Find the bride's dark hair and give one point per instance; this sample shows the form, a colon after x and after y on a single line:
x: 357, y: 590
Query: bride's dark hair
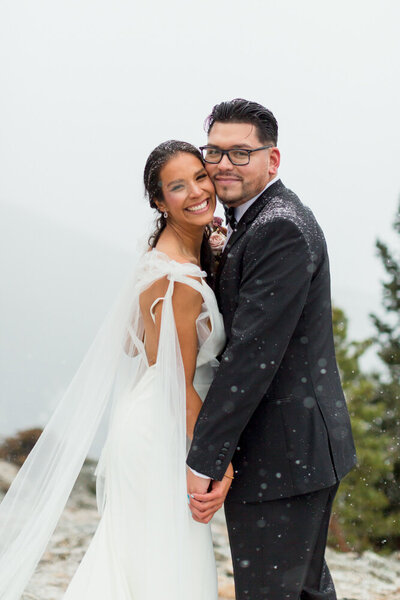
x: 157, y: 159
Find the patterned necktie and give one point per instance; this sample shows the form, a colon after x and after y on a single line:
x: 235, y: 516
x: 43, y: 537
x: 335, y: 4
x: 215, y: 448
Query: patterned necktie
x: 230, y: 217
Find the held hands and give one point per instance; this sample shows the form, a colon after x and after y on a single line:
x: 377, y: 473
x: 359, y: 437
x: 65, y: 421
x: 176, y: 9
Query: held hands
x: 195, y: 484
x: 205, y: 504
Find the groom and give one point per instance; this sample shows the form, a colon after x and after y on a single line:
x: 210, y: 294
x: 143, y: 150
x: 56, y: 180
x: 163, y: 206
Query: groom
x: 275, y: 408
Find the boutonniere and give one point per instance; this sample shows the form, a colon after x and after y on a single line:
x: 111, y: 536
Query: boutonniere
x: 217, y: 238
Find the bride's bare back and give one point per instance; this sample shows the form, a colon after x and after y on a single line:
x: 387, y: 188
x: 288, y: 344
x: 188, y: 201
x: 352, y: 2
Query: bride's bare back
x: 187, y: 303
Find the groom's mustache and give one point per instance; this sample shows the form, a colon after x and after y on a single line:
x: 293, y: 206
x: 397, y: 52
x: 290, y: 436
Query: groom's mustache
x: 226, y: 176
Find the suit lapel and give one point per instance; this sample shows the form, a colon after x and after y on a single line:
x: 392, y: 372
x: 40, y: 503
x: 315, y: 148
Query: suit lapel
x: 246, y: 220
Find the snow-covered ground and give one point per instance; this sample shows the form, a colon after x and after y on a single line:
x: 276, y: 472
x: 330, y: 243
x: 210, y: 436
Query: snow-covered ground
x: 365, y: 577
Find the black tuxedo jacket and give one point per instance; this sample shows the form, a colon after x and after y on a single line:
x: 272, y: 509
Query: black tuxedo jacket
x: 276, y: 407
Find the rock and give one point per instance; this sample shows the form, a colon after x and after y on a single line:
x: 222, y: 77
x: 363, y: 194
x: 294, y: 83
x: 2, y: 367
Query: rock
x: 226, y: 588
x: 8, y: 472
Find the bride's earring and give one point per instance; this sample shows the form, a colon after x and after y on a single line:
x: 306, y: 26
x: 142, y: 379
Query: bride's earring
x: 165, y: 214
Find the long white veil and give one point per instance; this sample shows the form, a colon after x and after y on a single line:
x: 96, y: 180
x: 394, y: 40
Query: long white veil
x: 32, y: 507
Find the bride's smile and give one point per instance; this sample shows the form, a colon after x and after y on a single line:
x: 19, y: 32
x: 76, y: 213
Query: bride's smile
x: 199, y: 208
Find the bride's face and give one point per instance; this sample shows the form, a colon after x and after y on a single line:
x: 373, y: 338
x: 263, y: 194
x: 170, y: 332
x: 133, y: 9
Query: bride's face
x: 189, y: 194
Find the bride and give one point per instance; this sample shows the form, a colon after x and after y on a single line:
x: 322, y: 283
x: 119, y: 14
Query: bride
x: 152, y: 362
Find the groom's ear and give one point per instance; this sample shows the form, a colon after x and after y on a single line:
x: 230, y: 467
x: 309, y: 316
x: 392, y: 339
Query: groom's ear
x: 274, y: 161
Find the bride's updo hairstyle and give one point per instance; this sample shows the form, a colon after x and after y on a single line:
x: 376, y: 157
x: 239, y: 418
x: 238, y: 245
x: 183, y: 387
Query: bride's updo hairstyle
x: 153, y: 189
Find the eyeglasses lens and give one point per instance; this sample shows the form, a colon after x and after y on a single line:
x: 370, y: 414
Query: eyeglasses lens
x: 214, y: 156
x: 239, y: 157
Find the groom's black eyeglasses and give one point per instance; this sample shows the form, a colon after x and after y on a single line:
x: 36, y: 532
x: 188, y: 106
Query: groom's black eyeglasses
x: 237, y: 156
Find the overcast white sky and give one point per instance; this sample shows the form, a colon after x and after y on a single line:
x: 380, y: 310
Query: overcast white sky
x: 89, y: 87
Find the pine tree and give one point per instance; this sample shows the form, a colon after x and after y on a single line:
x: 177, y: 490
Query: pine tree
x: 388, y: 342
x: 360, y: 510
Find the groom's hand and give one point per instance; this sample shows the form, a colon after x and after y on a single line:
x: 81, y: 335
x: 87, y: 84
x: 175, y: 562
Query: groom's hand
x: 204, y: 506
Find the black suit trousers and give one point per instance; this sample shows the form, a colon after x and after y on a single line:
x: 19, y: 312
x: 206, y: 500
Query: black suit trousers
x: 278, y: 547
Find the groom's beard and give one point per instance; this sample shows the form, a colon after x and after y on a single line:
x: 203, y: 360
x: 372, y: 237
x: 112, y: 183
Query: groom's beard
x: 236, y: 190
x: 229, y: 187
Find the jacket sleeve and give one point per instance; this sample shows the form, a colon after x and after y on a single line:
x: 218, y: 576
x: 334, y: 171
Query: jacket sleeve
x: 277, y: 271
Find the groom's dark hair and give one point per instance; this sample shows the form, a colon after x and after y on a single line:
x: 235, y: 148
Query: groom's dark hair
x: 245, y: 111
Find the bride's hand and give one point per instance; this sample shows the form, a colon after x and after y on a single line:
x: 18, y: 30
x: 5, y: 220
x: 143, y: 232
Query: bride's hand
x: 196, y: 484
x: 204, y: 506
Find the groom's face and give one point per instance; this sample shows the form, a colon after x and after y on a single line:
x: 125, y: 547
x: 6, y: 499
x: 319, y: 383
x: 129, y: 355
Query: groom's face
x: 238, y: 184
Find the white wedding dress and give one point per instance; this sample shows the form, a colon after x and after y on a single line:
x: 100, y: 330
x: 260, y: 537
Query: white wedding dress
x: 147, y: 546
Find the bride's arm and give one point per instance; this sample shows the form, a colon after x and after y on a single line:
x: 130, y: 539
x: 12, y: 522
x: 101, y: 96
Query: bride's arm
x: 186, y: 303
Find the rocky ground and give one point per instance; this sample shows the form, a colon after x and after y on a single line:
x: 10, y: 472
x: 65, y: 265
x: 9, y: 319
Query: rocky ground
x: 365, y: 577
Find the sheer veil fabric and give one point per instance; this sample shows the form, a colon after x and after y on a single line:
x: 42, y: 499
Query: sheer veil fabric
x: 147, y: 546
